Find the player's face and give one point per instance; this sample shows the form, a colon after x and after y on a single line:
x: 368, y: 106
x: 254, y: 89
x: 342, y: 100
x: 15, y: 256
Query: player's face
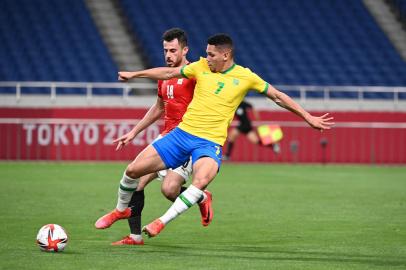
x: 174, y: 53
x: 216, y: 58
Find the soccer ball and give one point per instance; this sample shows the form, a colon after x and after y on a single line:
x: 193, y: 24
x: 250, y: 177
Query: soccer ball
x: 52, y: 238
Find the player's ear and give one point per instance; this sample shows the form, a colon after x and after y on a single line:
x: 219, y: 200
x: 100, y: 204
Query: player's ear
x: 226, y: 56
x: 185, y: 50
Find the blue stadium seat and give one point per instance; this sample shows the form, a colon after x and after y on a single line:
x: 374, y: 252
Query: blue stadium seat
x: 312, y: 42
x: 44, y: 40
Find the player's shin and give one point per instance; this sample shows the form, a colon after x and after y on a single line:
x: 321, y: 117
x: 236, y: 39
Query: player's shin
x: 126, y: 189
x: 137, y: 205
x: 184, y: 201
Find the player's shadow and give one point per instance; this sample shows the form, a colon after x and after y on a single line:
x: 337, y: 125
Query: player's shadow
x: 271, y: 254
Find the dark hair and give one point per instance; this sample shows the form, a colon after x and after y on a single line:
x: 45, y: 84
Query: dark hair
x: 175, y: 33
x: 221, y: 39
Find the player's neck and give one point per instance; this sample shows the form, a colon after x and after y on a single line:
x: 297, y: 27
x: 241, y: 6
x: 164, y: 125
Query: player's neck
x: 227, y: 66
x: 184, y: 62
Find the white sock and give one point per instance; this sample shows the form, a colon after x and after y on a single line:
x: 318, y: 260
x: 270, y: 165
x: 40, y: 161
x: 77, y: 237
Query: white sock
x: 126, y: 189
x: 182, y: 203
x: 136, y: 237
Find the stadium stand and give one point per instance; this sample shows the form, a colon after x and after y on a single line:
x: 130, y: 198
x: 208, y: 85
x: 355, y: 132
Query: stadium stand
x: 44, y: 40
x: 400, y: 5
x: 288, y: 42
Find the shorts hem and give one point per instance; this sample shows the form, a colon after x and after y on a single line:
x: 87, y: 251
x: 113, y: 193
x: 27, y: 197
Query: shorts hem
x: 161, y: 155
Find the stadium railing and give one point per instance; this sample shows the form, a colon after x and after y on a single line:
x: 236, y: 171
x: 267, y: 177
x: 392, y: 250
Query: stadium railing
x: 300, y: 92
x: 17, y: 88
x: 63, y: 136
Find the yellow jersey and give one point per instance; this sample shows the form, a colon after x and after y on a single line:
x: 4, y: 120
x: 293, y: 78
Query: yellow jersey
x: 216, y: 98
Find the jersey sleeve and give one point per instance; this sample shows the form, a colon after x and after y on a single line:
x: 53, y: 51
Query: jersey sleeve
x: 160, y: 88
x: 191, y: 70
x: 258, y: 84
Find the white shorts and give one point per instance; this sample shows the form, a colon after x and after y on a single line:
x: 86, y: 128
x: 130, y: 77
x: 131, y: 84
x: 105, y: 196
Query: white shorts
x: 185, y: 170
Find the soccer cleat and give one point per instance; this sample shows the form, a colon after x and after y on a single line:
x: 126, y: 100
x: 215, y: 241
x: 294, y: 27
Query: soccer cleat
x: 206, y: 209
x: 128, y: 241
x: 108, y: 219
x: 154, y: 228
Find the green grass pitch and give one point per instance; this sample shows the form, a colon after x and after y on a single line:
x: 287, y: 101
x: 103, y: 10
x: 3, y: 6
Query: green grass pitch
x: 266, y: 217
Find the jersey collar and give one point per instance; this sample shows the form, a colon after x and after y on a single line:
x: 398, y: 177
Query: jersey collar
x: 229, y: 69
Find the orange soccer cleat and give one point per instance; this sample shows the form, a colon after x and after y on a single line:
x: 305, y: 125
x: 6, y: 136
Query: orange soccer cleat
x: 206, y: 209
x: 154, y: 228
x: 128, y: 241
x: 108, y: 219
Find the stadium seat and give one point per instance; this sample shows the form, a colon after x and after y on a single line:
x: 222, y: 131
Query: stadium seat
x: 288, y: 42
x: 44, y: 40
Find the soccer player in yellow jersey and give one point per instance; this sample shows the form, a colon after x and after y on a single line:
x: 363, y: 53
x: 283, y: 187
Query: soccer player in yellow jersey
x: 221, y: 85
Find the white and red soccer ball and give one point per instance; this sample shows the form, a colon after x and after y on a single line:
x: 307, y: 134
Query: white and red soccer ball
x: 52, y: 238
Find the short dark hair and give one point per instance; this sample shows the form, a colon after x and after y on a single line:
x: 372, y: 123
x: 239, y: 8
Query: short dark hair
x: 222, y: 41
x: 175, y: 33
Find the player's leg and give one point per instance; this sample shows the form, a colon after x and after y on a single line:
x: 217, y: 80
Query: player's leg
x: 146, y: 162
x: 232, y: 136
x: 172, y: 185
x: 205, y: 205
x: 253, y: 137
x: 205, y: 169
x: 207, y: 163
x: 137, y: 205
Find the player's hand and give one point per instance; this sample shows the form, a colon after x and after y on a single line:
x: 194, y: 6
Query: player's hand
x: 321, y: 122
x: 124, y: 140
x: 124, y: 76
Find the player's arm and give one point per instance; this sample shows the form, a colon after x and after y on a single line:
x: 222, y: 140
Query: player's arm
x: 153, y: 114
x: 283, y: 100
x: 159, y: 73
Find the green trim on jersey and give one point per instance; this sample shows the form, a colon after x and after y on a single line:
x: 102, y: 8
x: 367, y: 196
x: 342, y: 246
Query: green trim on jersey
x: 229, y: 69
x: 127, y: 188
x: 266, y: 88
x: 185, y: 201
x: 183, y: 73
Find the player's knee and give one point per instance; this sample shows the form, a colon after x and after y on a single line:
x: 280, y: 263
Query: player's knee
x: 201, y: 182
x: 171, y: 192
x: 132, y: 171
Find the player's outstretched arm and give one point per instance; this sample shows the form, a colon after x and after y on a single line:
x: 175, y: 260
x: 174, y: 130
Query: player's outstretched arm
x: 159, y: 73
x: 318, y: 122
x: 153, y: 114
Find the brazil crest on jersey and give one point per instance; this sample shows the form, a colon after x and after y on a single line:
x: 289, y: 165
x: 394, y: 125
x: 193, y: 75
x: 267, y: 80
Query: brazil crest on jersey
x: 216, y: 97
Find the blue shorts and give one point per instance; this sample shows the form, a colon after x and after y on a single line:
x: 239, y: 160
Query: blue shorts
x: 176, y: 147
